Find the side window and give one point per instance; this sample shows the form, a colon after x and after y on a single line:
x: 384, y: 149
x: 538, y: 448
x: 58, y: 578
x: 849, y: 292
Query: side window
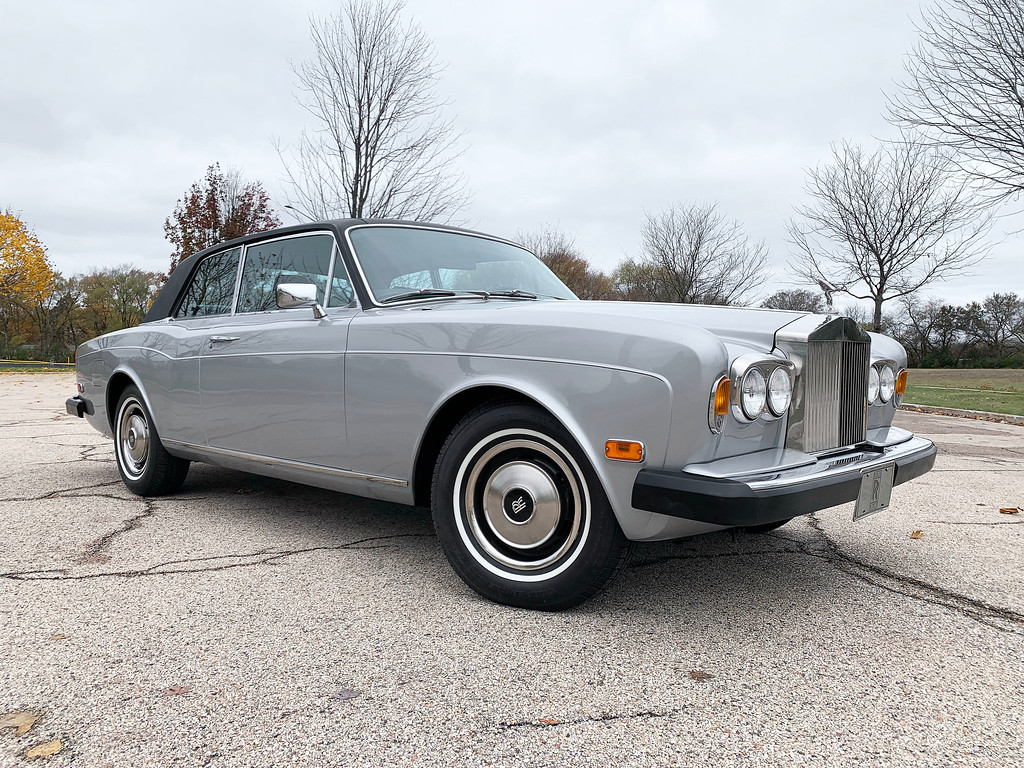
x: 212, y: 287
x: 292, y: 260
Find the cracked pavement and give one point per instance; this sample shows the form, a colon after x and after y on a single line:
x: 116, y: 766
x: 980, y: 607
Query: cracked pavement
x: 251, y: 622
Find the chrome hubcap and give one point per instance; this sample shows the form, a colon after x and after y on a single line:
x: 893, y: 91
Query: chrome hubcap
x: 133, y: 438
x: 523, y: 501
x: 521, y: 505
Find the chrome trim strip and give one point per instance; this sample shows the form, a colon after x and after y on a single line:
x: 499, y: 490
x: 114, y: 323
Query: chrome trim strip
x: 760, y: 462
x: 126, y: 346
x: 287, y: 463
x: 860, y: 461
x: 495, y: 356
x: 329, y: 288
x: 794, y: 467
x: 243, y: 251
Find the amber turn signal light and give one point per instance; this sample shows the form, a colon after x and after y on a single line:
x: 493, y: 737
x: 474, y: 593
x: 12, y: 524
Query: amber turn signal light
x: 722, y: 392
x: 624, y: 450
x: 901, y: 382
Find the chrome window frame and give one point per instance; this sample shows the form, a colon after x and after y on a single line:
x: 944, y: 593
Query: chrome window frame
x: 335, y: 254
x: 185, y: 288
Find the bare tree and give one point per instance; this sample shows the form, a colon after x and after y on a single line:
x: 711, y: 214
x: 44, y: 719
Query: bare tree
x: 638, y: 280
x: 382, y: 147
x: 795, y: 299
x: 965, y: 88
x: 882, y: 226
x: 559, y: 253
x: 932, y: 332
x: 997, y: 323
x: 694, y: 255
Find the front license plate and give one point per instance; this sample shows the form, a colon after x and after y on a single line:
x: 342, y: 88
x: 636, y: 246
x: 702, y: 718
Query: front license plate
x: 875, y: 491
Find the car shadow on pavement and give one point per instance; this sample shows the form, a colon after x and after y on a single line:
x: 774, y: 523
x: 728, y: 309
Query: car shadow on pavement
x: 716, y: 570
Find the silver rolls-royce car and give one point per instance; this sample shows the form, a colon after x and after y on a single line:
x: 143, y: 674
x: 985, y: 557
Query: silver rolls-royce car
x: 428, y: 365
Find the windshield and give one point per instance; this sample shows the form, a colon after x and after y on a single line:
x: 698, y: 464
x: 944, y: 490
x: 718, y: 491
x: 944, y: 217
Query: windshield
x: 407, y: 260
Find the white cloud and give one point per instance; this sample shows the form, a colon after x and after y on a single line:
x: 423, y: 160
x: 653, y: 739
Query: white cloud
x: 585, y: 113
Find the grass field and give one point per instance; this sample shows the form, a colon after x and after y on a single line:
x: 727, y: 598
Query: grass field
x: 35, y: 369
x: 996, y: 390
x: 34, y: 366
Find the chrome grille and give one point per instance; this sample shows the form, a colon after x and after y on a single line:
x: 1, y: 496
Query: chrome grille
x: 835, y: 394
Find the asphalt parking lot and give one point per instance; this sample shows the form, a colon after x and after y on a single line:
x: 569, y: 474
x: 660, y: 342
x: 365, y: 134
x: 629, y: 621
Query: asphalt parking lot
x: 249, y: 622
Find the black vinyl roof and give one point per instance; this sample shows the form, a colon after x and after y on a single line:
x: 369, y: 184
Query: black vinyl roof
x: 163, y: 305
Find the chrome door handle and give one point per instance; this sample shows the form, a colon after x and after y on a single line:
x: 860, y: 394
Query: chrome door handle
x: 222, y: 339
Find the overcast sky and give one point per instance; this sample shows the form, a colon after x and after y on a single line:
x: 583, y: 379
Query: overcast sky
x: 582, y: 115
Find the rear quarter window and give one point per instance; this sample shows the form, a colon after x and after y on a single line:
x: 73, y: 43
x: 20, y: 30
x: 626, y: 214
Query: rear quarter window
x: 212, y: 288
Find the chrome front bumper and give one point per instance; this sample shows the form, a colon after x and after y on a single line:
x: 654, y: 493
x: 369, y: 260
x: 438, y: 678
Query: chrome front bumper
x: 775, y: 485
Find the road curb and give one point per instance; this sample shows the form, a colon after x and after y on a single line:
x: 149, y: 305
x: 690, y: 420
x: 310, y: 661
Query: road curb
x: 1002, y: 418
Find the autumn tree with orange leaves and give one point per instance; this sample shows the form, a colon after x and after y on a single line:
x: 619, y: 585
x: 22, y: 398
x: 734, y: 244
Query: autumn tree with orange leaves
x: 26, y: 281
x: 220, y: 207
x: 25, y: 272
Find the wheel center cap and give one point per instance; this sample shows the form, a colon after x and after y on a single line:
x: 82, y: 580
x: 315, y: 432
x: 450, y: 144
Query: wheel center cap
x: 131, y: 438
x: 518, y: 505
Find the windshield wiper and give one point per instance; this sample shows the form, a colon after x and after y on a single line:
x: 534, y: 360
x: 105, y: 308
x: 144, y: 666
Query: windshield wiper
x: 513, y: 294
x: 421, y: 293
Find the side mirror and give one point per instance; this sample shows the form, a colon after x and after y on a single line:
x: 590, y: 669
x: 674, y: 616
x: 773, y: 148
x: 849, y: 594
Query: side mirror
x: 295, y: 295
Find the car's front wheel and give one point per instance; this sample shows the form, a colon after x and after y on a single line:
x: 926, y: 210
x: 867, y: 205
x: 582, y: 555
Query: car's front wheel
x: 519, y: 512
x: 144, y: 464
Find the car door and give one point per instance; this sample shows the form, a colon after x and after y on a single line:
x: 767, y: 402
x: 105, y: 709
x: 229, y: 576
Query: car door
x: 272, y: 380
x: 206, y: 304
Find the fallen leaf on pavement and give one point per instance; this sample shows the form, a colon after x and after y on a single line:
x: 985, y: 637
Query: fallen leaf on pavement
x: 58, y: 636
x: 45, y: 749
x: 345, y: 694
x: 98, y: 559
x: 176, y: 690
x: 700, y: 675
x: 1009, y: 510
x: 244, y: 490
x: 23, y: 721
x: 547, y: 721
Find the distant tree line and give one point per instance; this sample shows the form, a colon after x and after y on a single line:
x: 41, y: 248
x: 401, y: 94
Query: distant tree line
x: 45, y: 315
x: 986, y: 334
x: 66, y: 311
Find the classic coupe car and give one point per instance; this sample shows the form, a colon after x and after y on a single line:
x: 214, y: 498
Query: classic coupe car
x: 428, y: 365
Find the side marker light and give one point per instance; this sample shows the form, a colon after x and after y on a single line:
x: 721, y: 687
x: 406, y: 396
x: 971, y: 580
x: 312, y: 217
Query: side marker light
x: 722, y: 394
x: 624, y: 450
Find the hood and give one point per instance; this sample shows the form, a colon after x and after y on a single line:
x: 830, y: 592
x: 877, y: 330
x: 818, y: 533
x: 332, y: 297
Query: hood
x: 749, y: 326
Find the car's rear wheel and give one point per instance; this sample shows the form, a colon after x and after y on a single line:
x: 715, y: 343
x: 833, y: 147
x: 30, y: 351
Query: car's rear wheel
x: 144, y: 464
x: 519, y: 512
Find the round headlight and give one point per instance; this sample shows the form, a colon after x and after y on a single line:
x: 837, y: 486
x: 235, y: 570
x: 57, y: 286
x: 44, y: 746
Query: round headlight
x: 752, y: 394
x: 872, y: 385
x: 780, y: 391
x: 886, y: 383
